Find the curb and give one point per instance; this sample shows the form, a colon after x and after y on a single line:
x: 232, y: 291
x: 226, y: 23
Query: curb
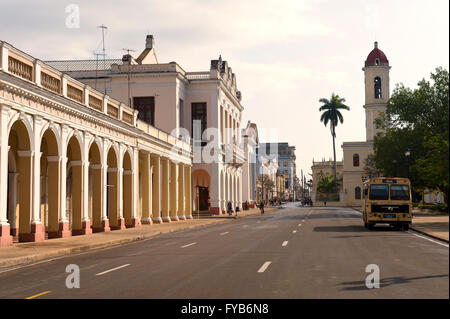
x: 26, y: 260
x: 428, y: 234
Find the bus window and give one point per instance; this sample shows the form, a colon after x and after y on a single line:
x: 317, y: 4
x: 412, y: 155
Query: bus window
x: 399, y: 192
x: 379, y: 192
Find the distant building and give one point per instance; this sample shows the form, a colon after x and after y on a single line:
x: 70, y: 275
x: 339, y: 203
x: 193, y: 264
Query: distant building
x: 351, y: 169
x: 285, y: 155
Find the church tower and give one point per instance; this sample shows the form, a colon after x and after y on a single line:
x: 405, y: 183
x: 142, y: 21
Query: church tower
x: 376, y: 79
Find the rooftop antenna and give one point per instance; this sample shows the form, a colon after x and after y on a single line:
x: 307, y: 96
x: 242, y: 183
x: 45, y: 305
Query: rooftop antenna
x: 129, y: 74
x: 103, y: 27
x: 96, y: 67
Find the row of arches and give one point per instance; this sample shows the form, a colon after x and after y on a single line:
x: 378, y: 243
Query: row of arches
x: 64, y: 182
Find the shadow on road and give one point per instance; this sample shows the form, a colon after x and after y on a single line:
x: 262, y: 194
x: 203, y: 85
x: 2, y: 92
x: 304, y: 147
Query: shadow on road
x: 353, y: 228
x: 361, y: 285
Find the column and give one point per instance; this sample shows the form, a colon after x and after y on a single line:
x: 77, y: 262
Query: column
x: 214, y: 189
x: 181, y: 192
x: 100, y: 222
x: 135, y: 219
x: 165, y: 190
x: 146, y: 177
x: 37, y: 229
x: 120, y: 219
x: 156, y: 188
x: 188, y: 189
x: 85, y: 220
x: 5, y: 231
x: 104, y: 197
x: 173, y: 192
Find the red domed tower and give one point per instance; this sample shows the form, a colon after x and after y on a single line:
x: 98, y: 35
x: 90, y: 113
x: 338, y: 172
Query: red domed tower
x: 376, y: 78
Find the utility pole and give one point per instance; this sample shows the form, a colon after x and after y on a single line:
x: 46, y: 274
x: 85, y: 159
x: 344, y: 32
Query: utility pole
x: 103, y: 45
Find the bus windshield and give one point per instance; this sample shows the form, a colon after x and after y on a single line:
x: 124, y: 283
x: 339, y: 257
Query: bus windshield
x: 379, y: 192
x: 399, y: 192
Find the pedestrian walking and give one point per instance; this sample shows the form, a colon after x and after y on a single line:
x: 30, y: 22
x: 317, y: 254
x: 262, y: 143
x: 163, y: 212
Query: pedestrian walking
x: 230, y: 208
x: 261, y: 207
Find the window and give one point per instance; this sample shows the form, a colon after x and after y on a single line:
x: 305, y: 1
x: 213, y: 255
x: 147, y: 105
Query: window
x: 379, y: 192
x: 199, y: 114
x: 355, y: 160
x: 377, y: 86
x: 357, y: 192
x: 146, y: 108
x: 399, y: 192
x: 377, y: 61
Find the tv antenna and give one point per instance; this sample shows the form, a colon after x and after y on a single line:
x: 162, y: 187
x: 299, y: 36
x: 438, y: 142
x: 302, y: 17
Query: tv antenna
x: 103, y: 27
x: 96, y: 67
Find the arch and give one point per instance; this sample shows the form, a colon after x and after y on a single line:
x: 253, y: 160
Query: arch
x: 377, y: 87
x: 112, y: 187
x: 74, y: 183
x: 98, y: 142
x: 78, y: 136
x: 20, y: 180
x: 24, y: 124
x: 201, y: 183
x: 54, y: 128
x: 50, y: 181
x: 357, y: 192
x: 95, y: 185
x: 355, y: 160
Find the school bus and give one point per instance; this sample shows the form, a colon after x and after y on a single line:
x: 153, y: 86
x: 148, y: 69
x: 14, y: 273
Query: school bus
x: 387, y: 201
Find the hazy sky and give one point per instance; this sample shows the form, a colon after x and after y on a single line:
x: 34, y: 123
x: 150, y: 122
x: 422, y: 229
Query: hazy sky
x: 286, y: 54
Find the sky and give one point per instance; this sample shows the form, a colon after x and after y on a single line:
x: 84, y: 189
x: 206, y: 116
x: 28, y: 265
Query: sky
x: 286, y: 54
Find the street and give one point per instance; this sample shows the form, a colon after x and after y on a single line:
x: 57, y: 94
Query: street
x: 293, y: 252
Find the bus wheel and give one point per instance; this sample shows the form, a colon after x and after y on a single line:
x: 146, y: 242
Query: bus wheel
x: 370, y: 226
x: 405, y: 227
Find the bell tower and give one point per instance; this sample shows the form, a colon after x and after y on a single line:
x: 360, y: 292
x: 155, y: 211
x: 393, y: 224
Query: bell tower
x: 376, y: 80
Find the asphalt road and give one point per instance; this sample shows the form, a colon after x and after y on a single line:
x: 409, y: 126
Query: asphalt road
x: 289, y: 253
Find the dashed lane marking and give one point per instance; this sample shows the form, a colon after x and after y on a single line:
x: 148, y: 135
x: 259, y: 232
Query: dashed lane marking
x: 188, y: 245
x: 284, y: 243
x: 224, y: 233
x: 264, y: 266
x: 294, y: 231
x: 107, y: 271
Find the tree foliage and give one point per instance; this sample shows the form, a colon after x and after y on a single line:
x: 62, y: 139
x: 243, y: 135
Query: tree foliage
x: 417, y: 120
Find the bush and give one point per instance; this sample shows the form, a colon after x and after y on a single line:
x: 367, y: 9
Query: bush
x: 440, y: 207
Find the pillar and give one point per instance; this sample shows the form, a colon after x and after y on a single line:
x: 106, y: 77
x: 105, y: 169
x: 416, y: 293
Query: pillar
x: 188, y: 189
x: 174, y: 179
x: 181, y: 192
x: 146, y: 179
x: 5, y: 231
x: 165, y: 191
x: 156, y: 188
x: 135, y: 218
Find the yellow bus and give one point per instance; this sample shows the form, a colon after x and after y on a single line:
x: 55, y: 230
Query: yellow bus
x: 387, y: 201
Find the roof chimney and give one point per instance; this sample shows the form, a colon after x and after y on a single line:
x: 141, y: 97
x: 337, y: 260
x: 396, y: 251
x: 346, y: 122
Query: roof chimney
x: 149, y: 42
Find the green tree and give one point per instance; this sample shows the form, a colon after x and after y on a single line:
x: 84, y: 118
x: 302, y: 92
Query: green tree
x: 417, y: 120
x: 331, y: 113
x: 327, y: 187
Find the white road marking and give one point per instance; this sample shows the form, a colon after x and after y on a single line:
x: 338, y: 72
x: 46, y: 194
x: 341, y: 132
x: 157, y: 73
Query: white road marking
x: 188, y: 245
x: 245, y: 226
x: 107, y: 271
x: 285, y: 243
x: 264, y: 266
x: 434, y: 241
x: 224, y: 233
x: 299, y: 225
x: 294, y: 231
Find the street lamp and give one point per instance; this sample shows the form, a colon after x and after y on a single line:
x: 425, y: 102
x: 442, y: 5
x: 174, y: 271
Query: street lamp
x: 408, y: 154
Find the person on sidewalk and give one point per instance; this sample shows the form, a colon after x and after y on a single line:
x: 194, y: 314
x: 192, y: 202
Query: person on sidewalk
x: 229, y: 208
x: 261, y: 207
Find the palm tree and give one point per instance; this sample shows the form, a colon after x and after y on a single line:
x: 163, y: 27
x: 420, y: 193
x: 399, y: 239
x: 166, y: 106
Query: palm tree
x: 332, y: 114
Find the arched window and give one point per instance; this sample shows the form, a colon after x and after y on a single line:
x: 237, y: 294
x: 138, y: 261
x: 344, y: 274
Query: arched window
x: 377, y: 61
x: 355, y: 160
x: 357, y: 192
x: 377, y: 86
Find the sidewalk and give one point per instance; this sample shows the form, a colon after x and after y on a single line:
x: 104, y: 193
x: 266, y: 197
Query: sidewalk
x: 26, y: 253
x: 431, y: 223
